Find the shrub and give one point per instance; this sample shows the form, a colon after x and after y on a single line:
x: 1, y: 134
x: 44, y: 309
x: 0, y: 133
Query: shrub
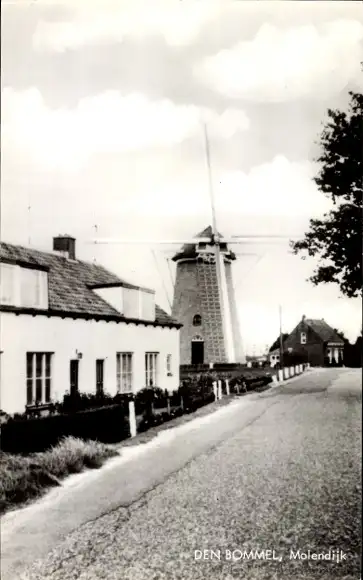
x: 107, y: 424
x: 72, y: 403
x: 148, y: 397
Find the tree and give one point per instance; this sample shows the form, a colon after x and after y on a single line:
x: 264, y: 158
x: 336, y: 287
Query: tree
x: 337, y: 238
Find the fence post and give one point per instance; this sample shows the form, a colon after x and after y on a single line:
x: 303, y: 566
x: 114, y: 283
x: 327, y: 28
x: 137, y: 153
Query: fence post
x: 274, y: 379
x: 168, y: 404
x: 280, y: 373
x: 227, y: 387
x: 292, y: 371
x: 286, y: 373
x: 181, y: 403
x: 215, y: 390
x: 132, y: 418
x: 219, y: 389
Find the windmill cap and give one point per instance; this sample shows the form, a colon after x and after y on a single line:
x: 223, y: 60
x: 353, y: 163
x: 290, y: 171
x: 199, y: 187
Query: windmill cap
x: 189, y: 251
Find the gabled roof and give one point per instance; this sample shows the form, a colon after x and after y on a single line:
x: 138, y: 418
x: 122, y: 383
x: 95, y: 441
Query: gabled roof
x: 323, y: 330
x: 70, y: 283
x: 189, y: 251
x: 273, y: 352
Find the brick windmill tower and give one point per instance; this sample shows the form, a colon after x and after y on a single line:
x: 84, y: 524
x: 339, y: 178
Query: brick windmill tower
x: 204, y: 302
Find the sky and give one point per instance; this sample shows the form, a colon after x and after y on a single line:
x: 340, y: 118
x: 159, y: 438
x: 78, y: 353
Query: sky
x: 103, y: 107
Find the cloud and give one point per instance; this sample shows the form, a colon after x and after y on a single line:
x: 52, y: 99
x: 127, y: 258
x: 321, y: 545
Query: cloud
x: 93, y: 23
x: 106, y: 123
x: 279, y: 65
x: 279, y: 188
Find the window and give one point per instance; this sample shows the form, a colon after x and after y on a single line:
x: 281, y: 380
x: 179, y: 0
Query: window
x: 168, y: 364
x: 151, y: 361
x: 124, y: 372
x: 303, y: 338
x: 197, y: 320
x: 99, y: 376
x: 38, y: 377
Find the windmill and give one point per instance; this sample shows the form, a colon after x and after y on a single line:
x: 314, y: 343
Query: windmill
x: 204, y: 300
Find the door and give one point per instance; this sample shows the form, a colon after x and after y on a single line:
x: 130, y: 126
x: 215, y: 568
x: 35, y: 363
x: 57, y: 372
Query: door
x: 197, y: 352
x: 99, y: 376
x: 73, y: 369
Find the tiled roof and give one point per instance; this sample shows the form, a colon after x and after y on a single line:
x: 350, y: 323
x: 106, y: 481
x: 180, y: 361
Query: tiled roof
x: 323, y: 330
x: 69, y: 283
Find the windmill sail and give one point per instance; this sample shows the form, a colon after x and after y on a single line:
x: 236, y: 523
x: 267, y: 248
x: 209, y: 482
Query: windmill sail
x: 220, y: 268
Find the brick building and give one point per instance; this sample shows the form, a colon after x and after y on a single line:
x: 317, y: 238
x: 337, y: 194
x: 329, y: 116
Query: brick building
x: 197, y: 305
x: 318, y: 342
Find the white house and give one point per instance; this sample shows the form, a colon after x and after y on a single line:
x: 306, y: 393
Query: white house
x: 68, y: 325
x: 274, y: 357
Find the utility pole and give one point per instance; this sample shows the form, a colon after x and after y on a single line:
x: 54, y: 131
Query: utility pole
x: 281, y: 341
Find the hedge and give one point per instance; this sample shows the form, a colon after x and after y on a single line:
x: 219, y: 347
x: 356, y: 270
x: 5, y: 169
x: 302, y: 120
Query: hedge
x: 105, y: 424
x: 105, y: 418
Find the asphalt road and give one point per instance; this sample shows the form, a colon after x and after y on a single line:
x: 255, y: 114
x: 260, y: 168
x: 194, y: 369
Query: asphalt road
x: 277, y: 472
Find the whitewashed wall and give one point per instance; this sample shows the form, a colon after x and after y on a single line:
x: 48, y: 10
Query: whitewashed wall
x: 95, y: 340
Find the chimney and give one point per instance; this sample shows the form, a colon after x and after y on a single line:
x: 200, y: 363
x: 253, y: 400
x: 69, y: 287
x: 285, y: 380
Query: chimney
x: 303, y: 318
x: 65, y: 245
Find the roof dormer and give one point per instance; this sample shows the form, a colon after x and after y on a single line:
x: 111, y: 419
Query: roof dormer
x: 23, y: 286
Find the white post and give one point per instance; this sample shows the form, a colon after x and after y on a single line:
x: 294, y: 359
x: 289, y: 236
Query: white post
x: 132, y: 418
x: 292, y: 371
x: 219, y: 389
x: 274, y: 379
x: 281, y: 375
x: 227, y: 387
x: 215, y: 390
x: 286, y: 373
x: 301, y: 368
x: 297, y: 369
